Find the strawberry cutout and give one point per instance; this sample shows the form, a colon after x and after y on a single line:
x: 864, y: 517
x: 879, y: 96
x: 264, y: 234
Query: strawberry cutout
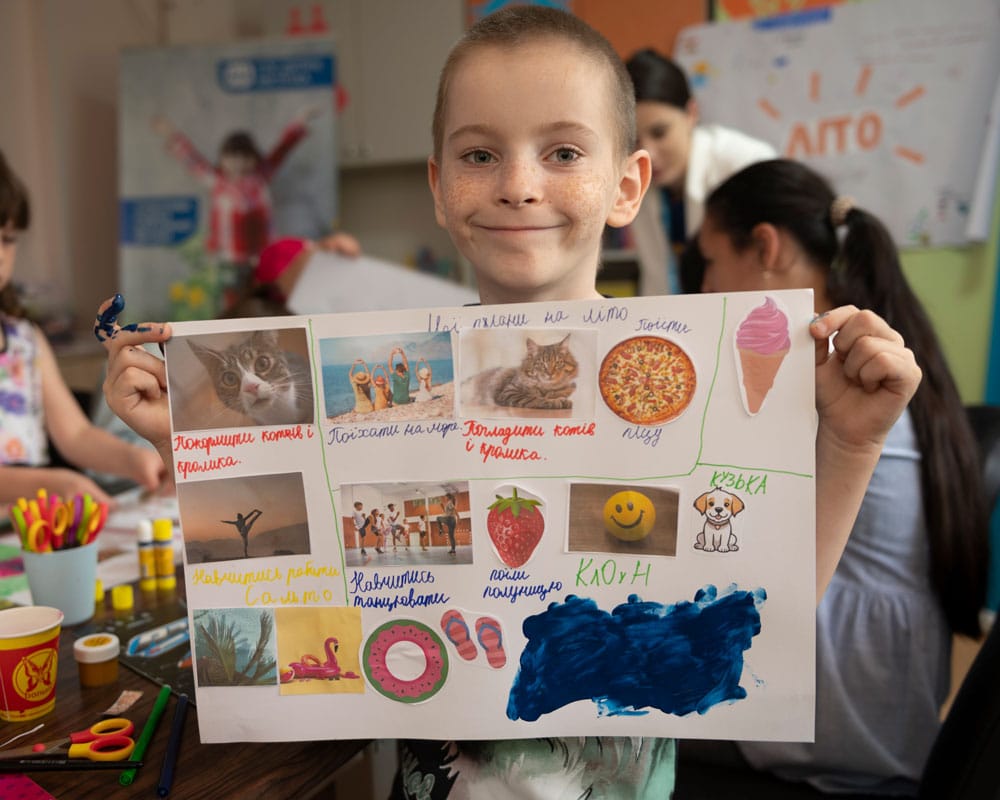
x: 515, y: 525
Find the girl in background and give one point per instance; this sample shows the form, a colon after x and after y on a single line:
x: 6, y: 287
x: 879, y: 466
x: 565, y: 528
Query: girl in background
x: 240, y: 198
x: 914, y: 569
x: 35, y: 403
x: 689, y: 159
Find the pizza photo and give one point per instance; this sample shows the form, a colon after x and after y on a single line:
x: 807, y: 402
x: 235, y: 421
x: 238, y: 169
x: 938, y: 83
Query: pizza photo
x: 647, y: 380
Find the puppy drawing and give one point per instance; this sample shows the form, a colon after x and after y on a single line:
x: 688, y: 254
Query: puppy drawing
x: 718, y: 507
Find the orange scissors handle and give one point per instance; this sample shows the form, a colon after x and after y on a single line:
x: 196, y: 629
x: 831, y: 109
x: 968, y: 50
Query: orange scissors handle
x: 106, y: 727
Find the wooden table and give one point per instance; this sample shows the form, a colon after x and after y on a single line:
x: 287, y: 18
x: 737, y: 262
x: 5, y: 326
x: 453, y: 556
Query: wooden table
x: 261, y: 771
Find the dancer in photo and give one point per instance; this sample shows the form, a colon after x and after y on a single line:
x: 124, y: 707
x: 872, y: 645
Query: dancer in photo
x: 243, y: 525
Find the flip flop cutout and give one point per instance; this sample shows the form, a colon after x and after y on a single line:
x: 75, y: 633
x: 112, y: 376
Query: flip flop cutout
x: 455, y: 628
x: 491, y: 640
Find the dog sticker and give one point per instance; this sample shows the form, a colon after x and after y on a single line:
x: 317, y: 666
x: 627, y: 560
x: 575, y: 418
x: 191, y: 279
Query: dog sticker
x: 718, y: 507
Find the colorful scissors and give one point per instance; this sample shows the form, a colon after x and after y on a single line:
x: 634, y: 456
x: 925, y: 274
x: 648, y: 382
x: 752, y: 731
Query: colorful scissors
x: 49, y: 532
x: 107, y: 740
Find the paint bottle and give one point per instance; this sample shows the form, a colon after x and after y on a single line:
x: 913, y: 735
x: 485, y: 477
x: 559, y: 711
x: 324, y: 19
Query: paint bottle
x: 163, y: 549
x: 147, y: 557
x: 97, y: 658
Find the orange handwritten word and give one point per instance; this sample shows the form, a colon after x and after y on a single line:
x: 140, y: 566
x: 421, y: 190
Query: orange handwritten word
x: 186, y: 468
x: 503, y: 432
x: 495, y: 451
x: 835, y: 135
x: 294, y: 432
x: 206, y: 443
x: 575, y: 430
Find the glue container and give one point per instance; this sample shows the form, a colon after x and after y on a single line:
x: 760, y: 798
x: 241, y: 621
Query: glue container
x: 147, y: 557
x: 97, y: 658
x: 163, y: 548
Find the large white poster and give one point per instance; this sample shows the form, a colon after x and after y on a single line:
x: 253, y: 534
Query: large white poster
x: 890, y: 99
x: 591, y: 517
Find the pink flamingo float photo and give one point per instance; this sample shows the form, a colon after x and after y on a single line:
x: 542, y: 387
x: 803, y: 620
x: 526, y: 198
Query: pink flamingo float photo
x: 310, y: 667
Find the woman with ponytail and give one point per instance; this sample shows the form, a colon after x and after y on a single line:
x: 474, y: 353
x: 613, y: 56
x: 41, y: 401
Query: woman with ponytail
x: 914, y: 570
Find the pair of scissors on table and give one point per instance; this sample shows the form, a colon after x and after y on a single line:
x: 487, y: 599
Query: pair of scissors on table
x: 107, y: 740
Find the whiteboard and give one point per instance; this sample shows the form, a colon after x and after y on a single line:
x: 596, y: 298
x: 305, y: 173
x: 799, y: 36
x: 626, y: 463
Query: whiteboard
x: 889, y: 99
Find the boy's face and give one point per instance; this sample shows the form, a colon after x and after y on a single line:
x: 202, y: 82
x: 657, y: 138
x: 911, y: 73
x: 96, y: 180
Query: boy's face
x: 529, y: 171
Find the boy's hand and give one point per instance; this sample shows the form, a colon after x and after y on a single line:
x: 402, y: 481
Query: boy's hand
x: 135, y: 386
x: 866, y: 382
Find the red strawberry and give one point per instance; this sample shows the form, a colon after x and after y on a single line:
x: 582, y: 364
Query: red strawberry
x: 515, y: 526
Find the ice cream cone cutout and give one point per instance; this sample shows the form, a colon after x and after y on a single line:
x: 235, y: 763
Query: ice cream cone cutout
x: 762, y: 342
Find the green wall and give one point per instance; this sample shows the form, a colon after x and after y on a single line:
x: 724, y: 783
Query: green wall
x: 957, y: 285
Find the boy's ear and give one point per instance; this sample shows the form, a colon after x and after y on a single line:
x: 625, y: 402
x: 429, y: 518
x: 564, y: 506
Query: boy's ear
x: 632, y: 186
x: 434, y: 179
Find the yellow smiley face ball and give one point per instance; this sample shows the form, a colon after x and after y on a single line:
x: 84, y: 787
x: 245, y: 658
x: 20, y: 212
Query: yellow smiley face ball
x: 629, y: 516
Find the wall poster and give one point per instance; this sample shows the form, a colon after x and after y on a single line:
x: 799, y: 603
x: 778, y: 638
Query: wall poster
x: 223, y: 148
x: 869, y: 95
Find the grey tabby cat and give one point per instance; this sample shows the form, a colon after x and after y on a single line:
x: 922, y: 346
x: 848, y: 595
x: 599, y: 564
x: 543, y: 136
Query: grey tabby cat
x: 545, y: 379
x: 255, y: 377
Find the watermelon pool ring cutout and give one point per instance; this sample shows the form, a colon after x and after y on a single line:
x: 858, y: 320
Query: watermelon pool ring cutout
x: 376, y: 666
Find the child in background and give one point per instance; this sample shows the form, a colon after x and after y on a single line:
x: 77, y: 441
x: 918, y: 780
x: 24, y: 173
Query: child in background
x: 533, y: 155
x: 36, y: 404
x: 914, y: 569
x: 240, y: 201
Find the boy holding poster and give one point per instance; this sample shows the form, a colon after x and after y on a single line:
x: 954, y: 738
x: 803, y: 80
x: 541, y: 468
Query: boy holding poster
x: 533, y: 137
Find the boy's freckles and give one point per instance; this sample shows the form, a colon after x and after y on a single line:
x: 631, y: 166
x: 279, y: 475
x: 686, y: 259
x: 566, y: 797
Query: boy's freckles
x: 528, y: 171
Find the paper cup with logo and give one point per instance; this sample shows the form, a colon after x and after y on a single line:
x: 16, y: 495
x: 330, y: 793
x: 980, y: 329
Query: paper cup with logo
x: 29, y: 654
x: 64, y: 579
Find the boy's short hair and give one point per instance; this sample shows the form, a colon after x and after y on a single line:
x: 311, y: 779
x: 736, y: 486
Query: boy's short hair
x: 358, y: 503
x: 519, y: 25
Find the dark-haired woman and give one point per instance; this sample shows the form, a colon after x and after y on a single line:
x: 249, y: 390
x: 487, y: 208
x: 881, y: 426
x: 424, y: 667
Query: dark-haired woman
x: 689, y: 159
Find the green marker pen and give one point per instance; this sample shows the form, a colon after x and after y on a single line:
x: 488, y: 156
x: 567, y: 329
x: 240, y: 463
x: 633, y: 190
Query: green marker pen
x: 147, y: 733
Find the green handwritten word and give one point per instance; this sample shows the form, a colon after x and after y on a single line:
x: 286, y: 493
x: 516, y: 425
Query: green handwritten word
x: 608, y: 574
x: 737, y: 481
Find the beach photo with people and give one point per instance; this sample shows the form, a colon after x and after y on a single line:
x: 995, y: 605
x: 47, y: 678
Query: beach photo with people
x: 388, y: 377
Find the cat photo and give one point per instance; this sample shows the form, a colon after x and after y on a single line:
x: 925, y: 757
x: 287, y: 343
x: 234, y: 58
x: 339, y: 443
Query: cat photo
x: 527, y: 373
x: 241, y: 379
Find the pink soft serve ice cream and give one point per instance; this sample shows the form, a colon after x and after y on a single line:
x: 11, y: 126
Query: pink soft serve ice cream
x: 762, y: 342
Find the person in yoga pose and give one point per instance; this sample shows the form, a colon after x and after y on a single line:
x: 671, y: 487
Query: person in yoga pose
x: 243, y: 525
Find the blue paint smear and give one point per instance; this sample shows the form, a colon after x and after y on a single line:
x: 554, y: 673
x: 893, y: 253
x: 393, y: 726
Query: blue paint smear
x: 795, y: 19
x: 676, y: 658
